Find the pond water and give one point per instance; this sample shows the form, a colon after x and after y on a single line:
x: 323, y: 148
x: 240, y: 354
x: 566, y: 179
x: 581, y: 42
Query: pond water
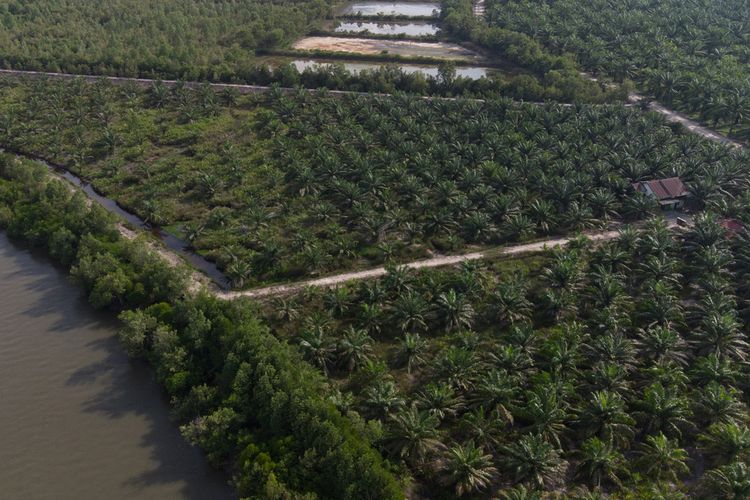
x: 78, y: 419
x: 375, y: 8
x: 442, y: 50
x: 473, y: 72
x: 410, y: 29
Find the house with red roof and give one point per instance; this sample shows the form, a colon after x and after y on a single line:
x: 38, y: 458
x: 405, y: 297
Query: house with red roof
x: 670, y: 192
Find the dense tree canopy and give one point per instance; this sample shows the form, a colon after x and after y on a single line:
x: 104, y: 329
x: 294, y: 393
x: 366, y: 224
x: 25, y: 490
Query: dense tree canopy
x: 693, y: 55
x: 194, y: 39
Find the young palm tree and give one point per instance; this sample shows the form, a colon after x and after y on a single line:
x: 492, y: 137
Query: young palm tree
x: 317, y: 349
x: 409, y: 312
x: 663, y: 410
x: 604, y: 417
x: 661, y: 458
x: 719, y: 404
x: 439, y: 400
x: 599, y: 462
x: 531, y: 459
x: 729, y: 482
x: 482, y: 427
x: 354, y: 348
x: 454, y: 311
x: 662, y: 345
x: 509, y: 303
x: 726, y: 443
x: 413, y: 435
x: 412, y: 351
x: 468, y: 469
x: 497, y: 392
x: 382, y: 399
x: 546, y: 413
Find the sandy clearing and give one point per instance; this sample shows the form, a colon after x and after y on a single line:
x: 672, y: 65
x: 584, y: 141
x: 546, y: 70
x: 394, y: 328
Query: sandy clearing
x: 396, y: 47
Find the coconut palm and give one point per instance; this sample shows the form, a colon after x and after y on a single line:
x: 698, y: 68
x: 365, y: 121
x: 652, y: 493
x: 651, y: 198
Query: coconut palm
x: 467, y: 468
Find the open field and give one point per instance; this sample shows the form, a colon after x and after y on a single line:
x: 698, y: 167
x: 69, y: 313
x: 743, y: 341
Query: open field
x: 447, y: 51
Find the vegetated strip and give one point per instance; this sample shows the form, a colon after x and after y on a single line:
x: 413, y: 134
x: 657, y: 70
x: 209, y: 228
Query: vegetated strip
x: 385, y: 17
x: 450, y: 260
x: 241, y: 394
x: 394, y: 58
x: 379, y: 36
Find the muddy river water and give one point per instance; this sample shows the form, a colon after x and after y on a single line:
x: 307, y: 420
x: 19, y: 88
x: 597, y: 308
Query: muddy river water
x: 78, y: 420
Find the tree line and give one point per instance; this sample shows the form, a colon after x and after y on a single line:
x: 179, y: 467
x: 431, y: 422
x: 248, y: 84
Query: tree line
x: 247, y: 399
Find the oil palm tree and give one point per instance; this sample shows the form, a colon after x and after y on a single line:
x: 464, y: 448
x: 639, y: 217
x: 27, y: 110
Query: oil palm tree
x: 599, y: 462
x: 354, y: 348
x: 661, y: 458
x: 531, y: 459
x: 604, y: 417
x: 454, y: 311
x: 317, y: 349
x: 663, y: 410
x: 467, y: 468
x: 726, y: 442
x: 729, y: 482
x: 413, y: 435
x: 412, y: 351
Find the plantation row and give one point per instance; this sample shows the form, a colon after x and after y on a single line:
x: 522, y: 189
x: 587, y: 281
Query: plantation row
x: 690, y: 55
x: 618, y: 369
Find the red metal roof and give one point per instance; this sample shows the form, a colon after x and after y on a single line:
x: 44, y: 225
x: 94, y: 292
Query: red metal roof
x: 664, y: 189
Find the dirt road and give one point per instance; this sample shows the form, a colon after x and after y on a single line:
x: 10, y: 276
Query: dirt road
x: 691, y: 125
x: 447, y: 260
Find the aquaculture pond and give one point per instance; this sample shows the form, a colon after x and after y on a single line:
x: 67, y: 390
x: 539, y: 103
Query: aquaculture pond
x: 376, y: 8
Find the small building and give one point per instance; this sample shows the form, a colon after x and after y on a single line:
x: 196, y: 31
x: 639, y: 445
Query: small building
x: 670, y: 193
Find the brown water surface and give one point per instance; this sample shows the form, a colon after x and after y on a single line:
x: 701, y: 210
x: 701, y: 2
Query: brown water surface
x: 77, y: 419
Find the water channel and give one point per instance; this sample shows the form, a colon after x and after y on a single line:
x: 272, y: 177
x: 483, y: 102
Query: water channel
x: 78, y: 419
x: 172, y: 242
